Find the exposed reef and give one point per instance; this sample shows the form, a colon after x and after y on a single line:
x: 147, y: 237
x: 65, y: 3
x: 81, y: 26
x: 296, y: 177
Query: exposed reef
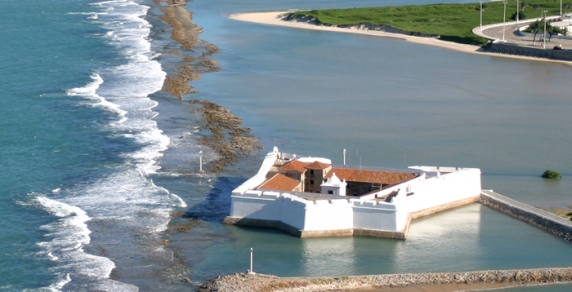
x: 196, y: 53
x: 227, y: 137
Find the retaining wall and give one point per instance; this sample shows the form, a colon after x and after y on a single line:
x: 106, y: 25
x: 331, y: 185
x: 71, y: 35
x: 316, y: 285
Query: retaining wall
x: 530, y: 51
x: 533, y: 216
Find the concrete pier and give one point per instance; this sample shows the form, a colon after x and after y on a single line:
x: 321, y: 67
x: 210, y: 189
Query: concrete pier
x: 531, y: 215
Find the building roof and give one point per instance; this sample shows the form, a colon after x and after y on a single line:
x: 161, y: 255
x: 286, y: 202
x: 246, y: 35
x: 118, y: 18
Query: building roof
x: 295, y: 165
x: 280, y: 182
x: 317, y: 165
x: 370, y: 176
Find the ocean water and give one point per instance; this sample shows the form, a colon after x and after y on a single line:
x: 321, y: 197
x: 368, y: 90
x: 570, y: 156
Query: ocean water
x: 96, y: 158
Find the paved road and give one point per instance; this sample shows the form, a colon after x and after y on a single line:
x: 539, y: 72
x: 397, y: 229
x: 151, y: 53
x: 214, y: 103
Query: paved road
x: 511, y: 37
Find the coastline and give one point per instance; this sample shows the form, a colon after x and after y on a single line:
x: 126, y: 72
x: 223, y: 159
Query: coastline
x: 275, y: 18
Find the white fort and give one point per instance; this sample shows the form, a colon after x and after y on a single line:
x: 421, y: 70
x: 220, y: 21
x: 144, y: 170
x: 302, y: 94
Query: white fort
x: 310, y: 197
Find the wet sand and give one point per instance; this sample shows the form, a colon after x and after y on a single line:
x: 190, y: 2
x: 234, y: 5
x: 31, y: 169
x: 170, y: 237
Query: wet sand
x: 276, y: 18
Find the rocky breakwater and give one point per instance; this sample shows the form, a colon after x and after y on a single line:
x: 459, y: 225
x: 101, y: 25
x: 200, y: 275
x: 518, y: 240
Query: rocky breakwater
x: 469, y: 280
x: 223, y: 131
x: 549, y: 222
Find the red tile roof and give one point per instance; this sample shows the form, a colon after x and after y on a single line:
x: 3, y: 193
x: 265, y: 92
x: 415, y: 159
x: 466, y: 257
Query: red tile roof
x: 317, y: 165
x: 295, y: 165
x: 370, y: 176
x: 280, y: 182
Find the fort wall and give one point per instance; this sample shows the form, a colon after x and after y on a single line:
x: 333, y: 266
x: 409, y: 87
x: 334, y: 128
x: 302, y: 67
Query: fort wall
x: 369, y: 215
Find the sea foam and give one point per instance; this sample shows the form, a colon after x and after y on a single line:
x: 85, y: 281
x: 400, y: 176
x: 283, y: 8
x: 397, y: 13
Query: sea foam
x: 68, y: 234
x: 89, y: 92
x: 121, y: 203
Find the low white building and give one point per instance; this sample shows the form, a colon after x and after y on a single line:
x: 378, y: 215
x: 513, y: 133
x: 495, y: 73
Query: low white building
x: 308, y: 197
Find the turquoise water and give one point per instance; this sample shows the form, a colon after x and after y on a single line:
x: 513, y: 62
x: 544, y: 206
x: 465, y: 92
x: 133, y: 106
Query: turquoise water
x: 95, y: 157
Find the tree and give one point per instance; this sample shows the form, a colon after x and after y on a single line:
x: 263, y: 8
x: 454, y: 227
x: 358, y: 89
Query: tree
x: 535, y: 28
x: 552, y: 30
x: 551, y: 174
x: 521, y: 16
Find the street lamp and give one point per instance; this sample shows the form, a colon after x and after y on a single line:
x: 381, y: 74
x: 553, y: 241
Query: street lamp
x: 544, y: 38
x: 503, y: 20
x: 518, y: 10
x: 481, y: 10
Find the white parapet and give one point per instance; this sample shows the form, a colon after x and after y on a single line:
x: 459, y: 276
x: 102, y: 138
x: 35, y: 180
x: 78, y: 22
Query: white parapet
x: 377, y: 215
x: 259, y: 177
x: 448, y: 187
x: 329, y: 215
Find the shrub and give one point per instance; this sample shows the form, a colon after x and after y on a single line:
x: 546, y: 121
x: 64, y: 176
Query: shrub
x: 551, y: 174
x: 479, y: 7
x: 520, y: 16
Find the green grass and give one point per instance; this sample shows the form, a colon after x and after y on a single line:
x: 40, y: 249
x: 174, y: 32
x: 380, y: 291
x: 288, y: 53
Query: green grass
x: 450, y: 22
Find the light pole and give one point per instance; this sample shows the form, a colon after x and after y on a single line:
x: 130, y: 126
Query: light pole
x: 518, y: 10
x: 560, y: 7
x: 481, y: 10
x: 251, y: 271
x: 544, y: 38
x: 503, y: 20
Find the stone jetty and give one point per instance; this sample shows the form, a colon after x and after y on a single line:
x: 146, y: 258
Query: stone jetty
x: 533, y: 216
x: 268, y: 283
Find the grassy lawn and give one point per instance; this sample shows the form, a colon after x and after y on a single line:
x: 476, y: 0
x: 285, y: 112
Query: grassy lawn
x: 451, y: 22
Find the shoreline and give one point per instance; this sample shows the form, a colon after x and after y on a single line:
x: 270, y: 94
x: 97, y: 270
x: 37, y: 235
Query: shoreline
x: 274, y: 18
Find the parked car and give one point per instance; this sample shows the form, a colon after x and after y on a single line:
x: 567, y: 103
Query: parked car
x: 559, y: 48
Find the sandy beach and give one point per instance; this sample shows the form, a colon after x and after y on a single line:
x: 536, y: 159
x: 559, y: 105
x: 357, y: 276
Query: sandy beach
x: 275, y: 18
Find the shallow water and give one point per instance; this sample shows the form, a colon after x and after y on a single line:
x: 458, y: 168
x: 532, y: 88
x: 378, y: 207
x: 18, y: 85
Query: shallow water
x: 95, y: 159
x: 395, y: 104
